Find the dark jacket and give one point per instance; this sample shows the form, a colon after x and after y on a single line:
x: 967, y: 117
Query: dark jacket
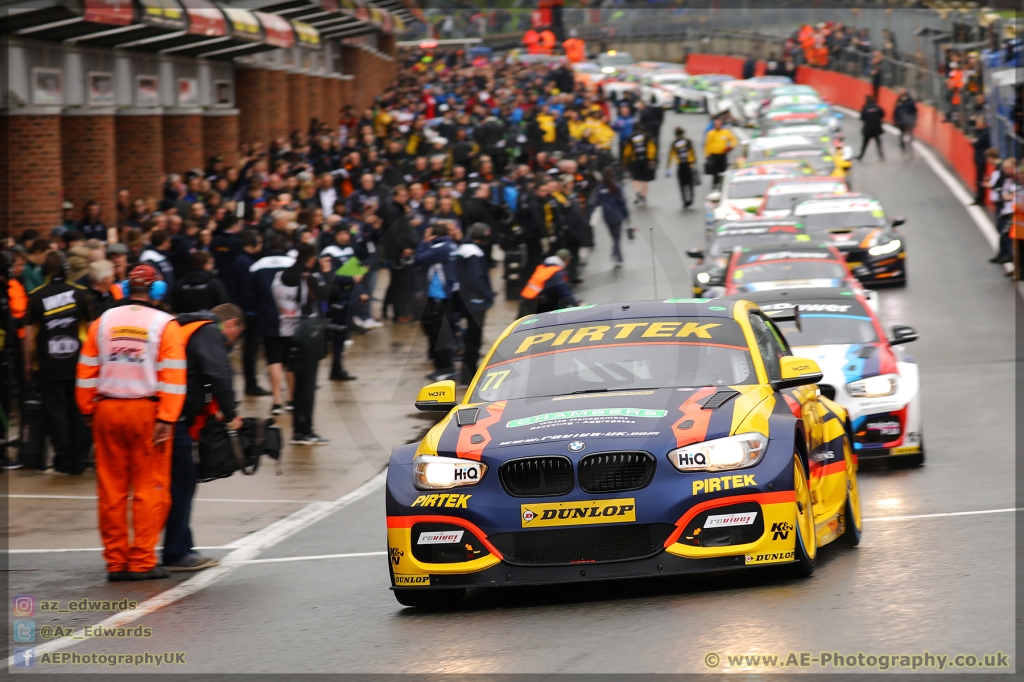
x: 749, y: 68
x: 239, y: 283
x: 531, y: 216
x: 399, y: 233
x: 209, y: 369
x: 262, y: 273
x: 225, y: 247
x: 871, y: 120
x: 92, y: 230
x: 197, y: 290
x: 439, y: 251
x: 905, y: 112
x: 158, y: 259
x: 474, y: 293
x: 613, y: 206
x: 181, y: 250
x: 981, y: 145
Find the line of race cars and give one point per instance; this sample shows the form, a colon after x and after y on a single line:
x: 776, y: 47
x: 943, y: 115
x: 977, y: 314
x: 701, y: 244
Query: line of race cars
x: 689, y: 435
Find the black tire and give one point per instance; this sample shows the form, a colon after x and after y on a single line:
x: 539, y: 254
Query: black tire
x: 430, y: 599
x: 851, y: 533
x: 805, y: 563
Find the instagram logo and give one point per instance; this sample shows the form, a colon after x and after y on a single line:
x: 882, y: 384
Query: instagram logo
x: 24, y: 605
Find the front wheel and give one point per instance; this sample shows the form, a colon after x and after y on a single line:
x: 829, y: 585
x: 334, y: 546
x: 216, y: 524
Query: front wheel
x: 430, y: 599
x: 852, y: 523
x: 806, y: 549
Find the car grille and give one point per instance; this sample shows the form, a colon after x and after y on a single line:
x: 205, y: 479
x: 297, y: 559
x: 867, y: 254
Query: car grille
x: 881, y: 429
x: 583, y: 545
x: 536, y: 476
x: 608, y: 472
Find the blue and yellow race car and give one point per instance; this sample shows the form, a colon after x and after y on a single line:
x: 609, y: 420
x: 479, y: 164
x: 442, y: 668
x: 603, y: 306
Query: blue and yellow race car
x: 622, y: 440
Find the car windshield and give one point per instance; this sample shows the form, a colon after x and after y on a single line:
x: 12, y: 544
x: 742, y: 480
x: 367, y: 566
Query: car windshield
x: 724, y: 244
x: 828, y: 323
x: 615, y: 60
x: 827, y: 221
x: 617, y: 355
x: 790, y: 269
x: 752, y: 188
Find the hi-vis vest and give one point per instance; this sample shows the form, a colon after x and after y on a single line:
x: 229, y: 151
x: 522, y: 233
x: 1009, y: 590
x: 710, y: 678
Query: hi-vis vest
x: 129, y: 342
x: 132, y: 352
x: 537, y: 281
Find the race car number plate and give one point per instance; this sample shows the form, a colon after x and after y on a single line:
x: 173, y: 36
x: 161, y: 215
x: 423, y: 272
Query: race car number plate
x: 581, y: 513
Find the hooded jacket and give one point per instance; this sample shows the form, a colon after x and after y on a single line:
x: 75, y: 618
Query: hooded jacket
x: 208, y: 367
x: 197, y: 290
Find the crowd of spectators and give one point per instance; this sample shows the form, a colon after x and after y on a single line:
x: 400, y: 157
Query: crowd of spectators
x: 455, y: 158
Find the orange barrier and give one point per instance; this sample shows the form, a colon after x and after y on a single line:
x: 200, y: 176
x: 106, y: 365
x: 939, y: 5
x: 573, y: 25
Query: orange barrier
x: 945, y: 138
x: 846, y: 91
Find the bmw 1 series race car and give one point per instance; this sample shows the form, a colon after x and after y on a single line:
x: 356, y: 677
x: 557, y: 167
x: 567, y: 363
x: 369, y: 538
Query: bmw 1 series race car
x: 867, y: 373
x: 709, y: 272
x: 856, y: 225
x: 622, y: 440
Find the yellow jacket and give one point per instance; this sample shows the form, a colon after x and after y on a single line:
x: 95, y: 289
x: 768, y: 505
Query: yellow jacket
x: 719, y: 141
x: 547, y: 124
x: 601, y: 134
x: 576, y: 129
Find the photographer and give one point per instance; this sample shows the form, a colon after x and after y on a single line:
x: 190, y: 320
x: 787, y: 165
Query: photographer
x: 207, y: 336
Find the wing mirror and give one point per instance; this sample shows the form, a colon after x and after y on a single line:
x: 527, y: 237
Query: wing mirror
x: 714, y: 197
x: 797, y: 372
x: 902, y: 334
x: 898, y: 220
x: 695, y: 253
x: 751, y: 209
x: 436, y: 397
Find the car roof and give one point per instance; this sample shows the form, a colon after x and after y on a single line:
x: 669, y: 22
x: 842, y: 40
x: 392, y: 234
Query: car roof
x: 781, y: 186
x: 779, y: 141
x: 756, y: 171
x: 829, y: 201
x: 790, y: 247
x: 672, y: 307
x: 798, y: 295
x: 727, y: 225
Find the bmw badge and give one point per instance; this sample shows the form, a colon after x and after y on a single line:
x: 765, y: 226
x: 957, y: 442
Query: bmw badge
x: 577, y: 446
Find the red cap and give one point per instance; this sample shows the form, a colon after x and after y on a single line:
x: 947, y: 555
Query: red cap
x: 144, y: 274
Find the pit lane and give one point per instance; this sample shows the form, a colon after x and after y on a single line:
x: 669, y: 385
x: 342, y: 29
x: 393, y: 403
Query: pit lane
x: 936, y: 583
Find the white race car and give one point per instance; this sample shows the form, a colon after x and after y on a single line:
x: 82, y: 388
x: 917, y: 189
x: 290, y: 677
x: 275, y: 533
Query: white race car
x: 743, y: 189
x: 865, y: 372
x: 659, y: 88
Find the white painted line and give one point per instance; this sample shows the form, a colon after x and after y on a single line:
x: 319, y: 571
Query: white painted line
x: 197, y: 499
x: 313, y: 558
x: 935, y: 516
x: 244, y: 550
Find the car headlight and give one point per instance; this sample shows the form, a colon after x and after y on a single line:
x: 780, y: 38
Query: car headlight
x: 888, y: 247
x: 703, y: 277
x: 732, y: 216
x: 444, y: 473
x: 874, y: 387
x: 721, y: 454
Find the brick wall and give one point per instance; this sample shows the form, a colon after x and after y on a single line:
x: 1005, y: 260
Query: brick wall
x: 30, y: 172
x: 315, y: 88
x: 140, y: 154
x: 298, y: 102
x: 183, y: 143
x: 344, y: 93
x: 251, y: 100
x: 276, y: 105
x: 89, y: 163
x: 220, y: 137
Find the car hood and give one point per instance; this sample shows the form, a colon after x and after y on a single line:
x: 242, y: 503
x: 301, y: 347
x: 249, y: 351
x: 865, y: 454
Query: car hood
x: 846, y: 362
x: 849, y: 239
x: 655, y: 421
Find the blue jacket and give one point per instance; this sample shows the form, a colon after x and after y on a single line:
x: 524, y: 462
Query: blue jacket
x: 474, y: 293
x: 239, y: 283
x: 262, y: 274
x: 613, y: 206
x: 439, y: 252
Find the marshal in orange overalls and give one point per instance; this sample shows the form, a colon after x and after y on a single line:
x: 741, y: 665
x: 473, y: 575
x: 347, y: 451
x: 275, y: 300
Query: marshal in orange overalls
x: 132, y: 373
